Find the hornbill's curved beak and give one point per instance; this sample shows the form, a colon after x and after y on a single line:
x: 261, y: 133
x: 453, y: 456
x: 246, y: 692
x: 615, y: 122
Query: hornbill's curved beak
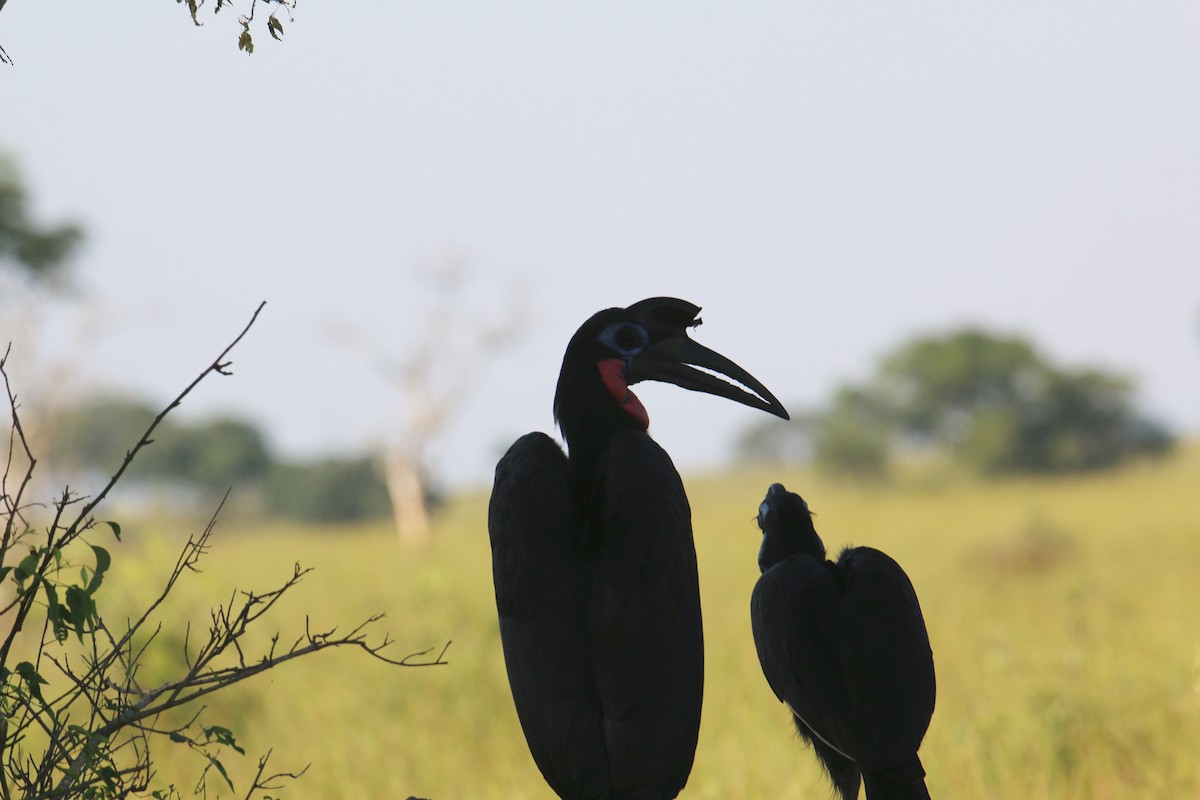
x: 674, y: 360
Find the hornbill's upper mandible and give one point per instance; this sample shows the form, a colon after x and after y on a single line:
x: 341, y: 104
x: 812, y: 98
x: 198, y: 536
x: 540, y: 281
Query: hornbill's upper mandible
x: 844, y: 645
x: 594, y: 565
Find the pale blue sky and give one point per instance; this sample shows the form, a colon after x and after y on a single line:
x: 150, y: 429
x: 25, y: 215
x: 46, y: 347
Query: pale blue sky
x: 824, y: 179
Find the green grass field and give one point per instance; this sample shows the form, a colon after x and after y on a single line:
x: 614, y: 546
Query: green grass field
x: 1064, y: 616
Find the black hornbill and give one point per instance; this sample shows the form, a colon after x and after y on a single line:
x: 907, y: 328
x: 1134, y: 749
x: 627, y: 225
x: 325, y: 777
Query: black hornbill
x: 595, y: 568
x: 844, y: 646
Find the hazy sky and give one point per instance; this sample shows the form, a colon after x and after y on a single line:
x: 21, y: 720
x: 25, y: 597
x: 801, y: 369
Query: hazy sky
x: 824, y: 179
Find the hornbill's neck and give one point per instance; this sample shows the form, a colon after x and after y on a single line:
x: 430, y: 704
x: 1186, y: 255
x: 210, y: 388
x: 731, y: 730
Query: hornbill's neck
x: 781, y: 544
x: 589, y: 417
x: 787, y: 528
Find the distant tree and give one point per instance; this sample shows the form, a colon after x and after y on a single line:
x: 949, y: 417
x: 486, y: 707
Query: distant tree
x: 27, y: 246
x: 212, y: 454
x: 34, y: 259
x: 779, y: 441
x: 991, y: 401
x: 1081, y: 420
x: 937, y: 386
x: 331, y: 490
x: 1000, y: 406
x: 853, y: 438
x: 95, y: 433
x: 434, y: 375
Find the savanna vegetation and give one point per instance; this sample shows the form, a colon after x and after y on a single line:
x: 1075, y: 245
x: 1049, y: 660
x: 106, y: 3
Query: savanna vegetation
x: 1063, y: 614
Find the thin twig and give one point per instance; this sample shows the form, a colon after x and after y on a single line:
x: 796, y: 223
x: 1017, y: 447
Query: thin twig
x: 219, y: 365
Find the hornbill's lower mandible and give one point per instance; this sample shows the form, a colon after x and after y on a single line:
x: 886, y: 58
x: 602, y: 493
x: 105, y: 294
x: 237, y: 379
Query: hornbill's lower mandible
x: 594, y: 565
x: 844, y: 646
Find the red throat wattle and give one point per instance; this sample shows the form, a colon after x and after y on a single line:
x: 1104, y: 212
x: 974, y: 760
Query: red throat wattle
x: 612, y: 372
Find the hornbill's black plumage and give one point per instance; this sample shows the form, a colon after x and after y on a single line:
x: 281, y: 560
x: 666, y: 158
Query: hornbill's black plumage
x: 844, y: 645
x: 594, y: 565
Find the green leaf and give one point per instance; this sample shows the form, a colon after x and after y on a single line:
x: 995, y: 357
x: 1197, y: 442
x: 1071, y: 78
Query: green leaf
x: 176, y: 736
x: 32, y: 679
x: 116, y: 529
x: 103, y: 562
x: 221, y: 768
x: 275, y: 28
x: 109, y: 775
x: 54, y: 612
x: 4, y: 572
x: 29, y: 673
x: 27, y: 567
x: 80, y: 609
x: 246, y: 41
x: 223, y: 736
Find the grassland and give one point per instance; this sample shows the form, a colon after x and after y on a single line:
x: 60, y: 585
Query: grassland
x: 1064, y: 615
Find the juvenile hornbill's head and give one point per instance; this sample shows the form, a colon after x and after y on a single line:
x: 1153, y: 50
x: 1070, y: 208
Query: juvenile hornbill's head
x: 787, y: 528
x: 648, y: 341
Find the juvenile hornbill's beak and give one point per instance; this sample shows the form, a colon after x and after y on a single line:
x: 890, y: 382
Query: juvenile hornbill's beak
x: 674, y: 360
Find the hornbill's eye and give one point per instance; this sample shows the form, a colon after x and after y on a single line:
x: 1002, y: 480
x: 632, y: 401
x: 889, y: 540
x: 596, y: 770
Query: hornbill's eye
x: 625, y: 337
x: 630, y: 337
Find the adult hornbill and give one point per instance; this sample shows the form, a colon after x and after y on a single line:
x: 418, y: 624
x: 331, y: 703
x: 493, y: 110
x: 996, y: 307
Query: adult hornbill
x: 595, y: 568
x: 844, y: 646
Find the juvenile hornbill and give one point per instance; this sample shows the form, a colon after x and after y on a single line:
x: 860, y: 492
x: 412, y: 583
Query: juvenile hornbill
x: 595, y: 568
x: 844, y: 646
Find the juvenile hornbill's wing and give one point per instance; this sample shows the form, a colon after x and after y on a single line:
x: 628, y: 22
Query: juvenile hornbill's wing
x: 542, y: 596
x: 794, y: 614
x: 647, y: 640
x: 886, y: 658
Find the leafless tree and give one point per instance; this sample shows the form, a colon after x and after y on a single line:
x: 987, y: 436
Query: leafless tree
x: 434, y: 377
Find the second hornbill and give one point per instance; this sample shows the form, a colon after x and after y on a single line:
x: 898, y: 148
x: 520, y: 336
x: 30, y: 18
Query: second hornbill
x: 594, y: 565
x: 844, y: 645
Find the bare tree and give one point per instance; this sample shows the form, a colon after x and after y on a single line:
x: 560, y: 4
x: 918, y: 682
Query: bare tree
x: 434, y: 378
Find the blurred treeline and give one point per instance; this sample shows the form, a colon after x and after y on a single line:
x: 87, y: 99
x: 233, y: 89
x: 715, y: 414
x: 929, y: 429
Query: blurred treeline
x: 977, y: 401
x: 204, y: 458
x: 987, y: 402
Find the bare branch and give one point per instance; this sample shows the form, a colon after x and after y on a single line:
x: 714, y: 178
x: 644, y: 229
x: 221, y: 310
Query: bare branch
x: 219, y: 366
x: 12, y: 503
x: 262, y: 781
